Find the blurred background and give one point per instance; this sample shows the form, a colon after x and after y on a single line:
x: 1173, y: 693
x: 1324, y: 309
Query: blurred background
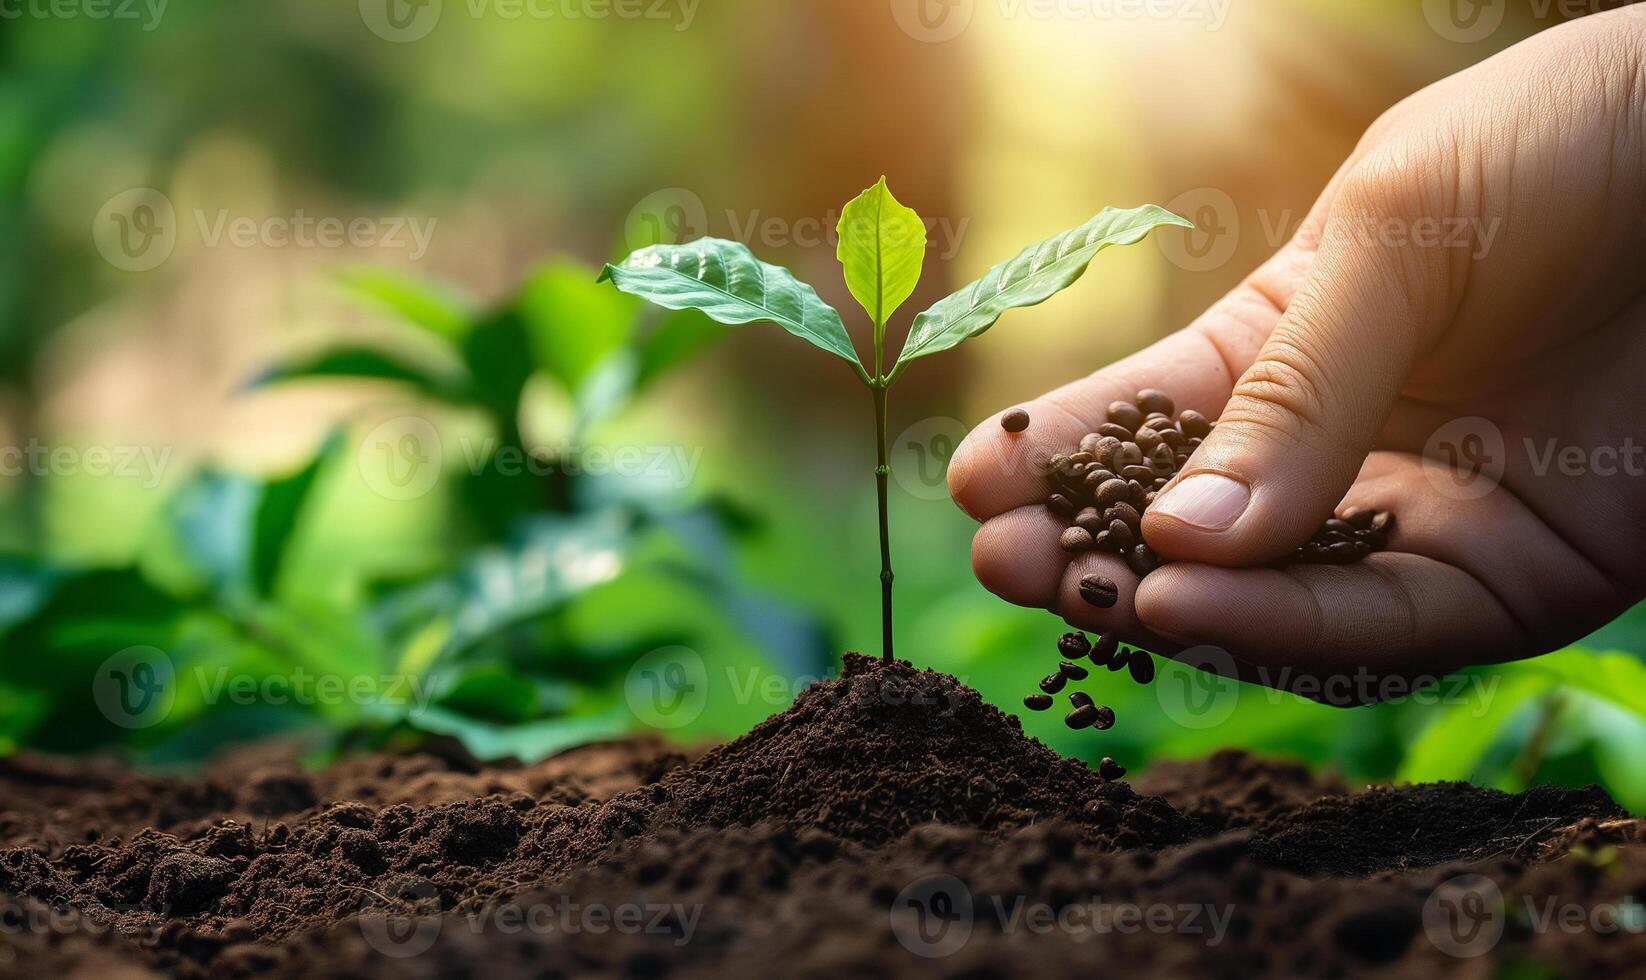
x: 289, y: 291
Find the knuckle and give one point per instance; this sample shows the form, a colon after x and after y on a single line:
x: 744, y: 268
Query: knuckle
x: 1280, y: 393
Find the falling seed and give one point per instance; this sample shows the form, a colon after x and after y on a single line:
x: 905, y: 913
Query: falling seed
x: 1037, y: 702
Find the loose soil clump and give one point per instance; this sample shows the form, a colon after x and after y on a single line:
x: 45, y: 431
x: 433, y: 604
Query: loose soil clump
x: 890, y: 823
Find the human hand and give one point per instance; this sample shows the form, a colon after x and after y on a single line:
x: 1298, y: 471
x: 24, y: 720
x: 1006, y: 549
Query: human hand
x: 1477, y: 266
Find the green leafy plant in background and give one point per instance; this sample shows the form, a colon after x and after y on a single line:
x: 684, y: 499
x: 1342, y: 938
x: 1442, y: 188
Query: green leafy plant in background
x: 482, y: 630
x: 882, y: 248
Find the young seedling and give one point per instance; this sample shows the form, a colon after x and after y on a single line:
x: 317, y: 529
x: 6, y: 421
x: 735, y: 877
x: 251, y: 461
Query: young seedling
x: 882, y: 247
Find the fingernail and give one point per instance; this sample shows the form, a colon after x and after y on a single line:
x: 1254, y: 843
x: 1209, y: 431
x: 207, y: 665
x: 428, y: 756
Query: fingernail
x: 1206, y: 501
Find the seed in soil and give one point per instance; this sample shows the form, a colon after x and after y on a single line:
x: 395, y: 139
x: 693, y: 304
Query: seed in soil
x: 1074, y: 646
x: 1015, y: 420
x: 1080, y: 699
x: 1081, y: 717
x: 1037, y: 702
x: 1073, y: 672
x: 1110, y: 769
x: 1099, y: 591
x: 1052, y: 683
x: 1105, y: 718
x: 1141, y: 663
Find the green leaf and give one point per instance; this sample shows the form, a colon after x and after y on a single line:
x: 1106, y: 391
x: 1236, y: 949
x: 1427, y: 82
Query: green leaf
x: 274, y: 524
x: 882, y: 246
x: 726, y: 281
x: 364, y: 363
x: 1032, y: 277
x: 1453, y: 745
x: 439, y: 309
x: 572, y: 323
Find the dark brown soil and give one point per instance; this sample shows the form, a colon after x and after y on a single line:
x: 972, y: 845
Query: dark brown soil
x: 887, y: 815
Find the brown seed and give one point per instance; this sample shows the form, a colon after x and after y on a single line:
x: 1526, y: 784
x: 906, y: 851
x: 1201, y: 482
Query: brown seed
x: 1129, y: 454
x: 1052, y: 683
x: 1120, y: 536
x: 1015, y: 420
x: 1080, y: 699
x: 1148, y: 499
x: 1075, y: 646
x: 1147, y: 439
x: 1112, y: 492
x: 1075, y: 539
x: 1081, y: 717
x: 1193, y: 424
x: 1139, y: 473
x: 1142, y: 666
x: 1159, y: 483
x: 1126, y: 415
x: 1361, y: 519
x: 1099, y: 591
x: 1091, y: 519
x: 1118, y: 661
x: 1101, y: 542
x: 1154, y: 400
x: 1142, y: 560
x: 1105, y: 718
x: 1072, y: 671
x: 1110, y: 769
x: 1107, y: 446
x: 1163, y: 457
x: 1174, y: 439
x: 1037, y: 702
x: 1118, y: 432
x: 1104, y: 648
x: 1343, y: 551
x: 1060, y: 505
x: 1135, y: 490
x: 1125, y: 512
x: 1088, y: 443
x: 1082, y: 459
x: 1339, y: 527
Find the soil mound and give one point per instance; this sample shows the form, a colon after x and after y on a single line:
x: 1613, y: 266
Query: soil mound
x: 808, y: 842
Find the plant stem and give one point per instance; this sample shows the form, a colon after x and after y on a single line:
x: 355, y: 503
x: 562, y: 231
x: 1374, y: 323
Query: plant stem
x: 881, y: 471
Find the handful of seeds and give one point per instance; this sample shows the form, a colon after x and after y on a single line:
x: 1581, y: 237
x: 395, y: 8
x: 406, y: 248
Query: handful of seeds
x: 1104, y: 486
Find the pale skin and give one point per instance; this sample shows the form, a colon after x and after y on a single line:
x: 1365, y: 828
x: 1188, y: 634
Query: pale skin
x: 1334, y: 364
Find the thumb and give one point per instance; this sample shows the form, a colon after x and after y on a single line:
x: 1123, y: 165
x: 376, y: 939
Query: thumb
x: 1302, y: 419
